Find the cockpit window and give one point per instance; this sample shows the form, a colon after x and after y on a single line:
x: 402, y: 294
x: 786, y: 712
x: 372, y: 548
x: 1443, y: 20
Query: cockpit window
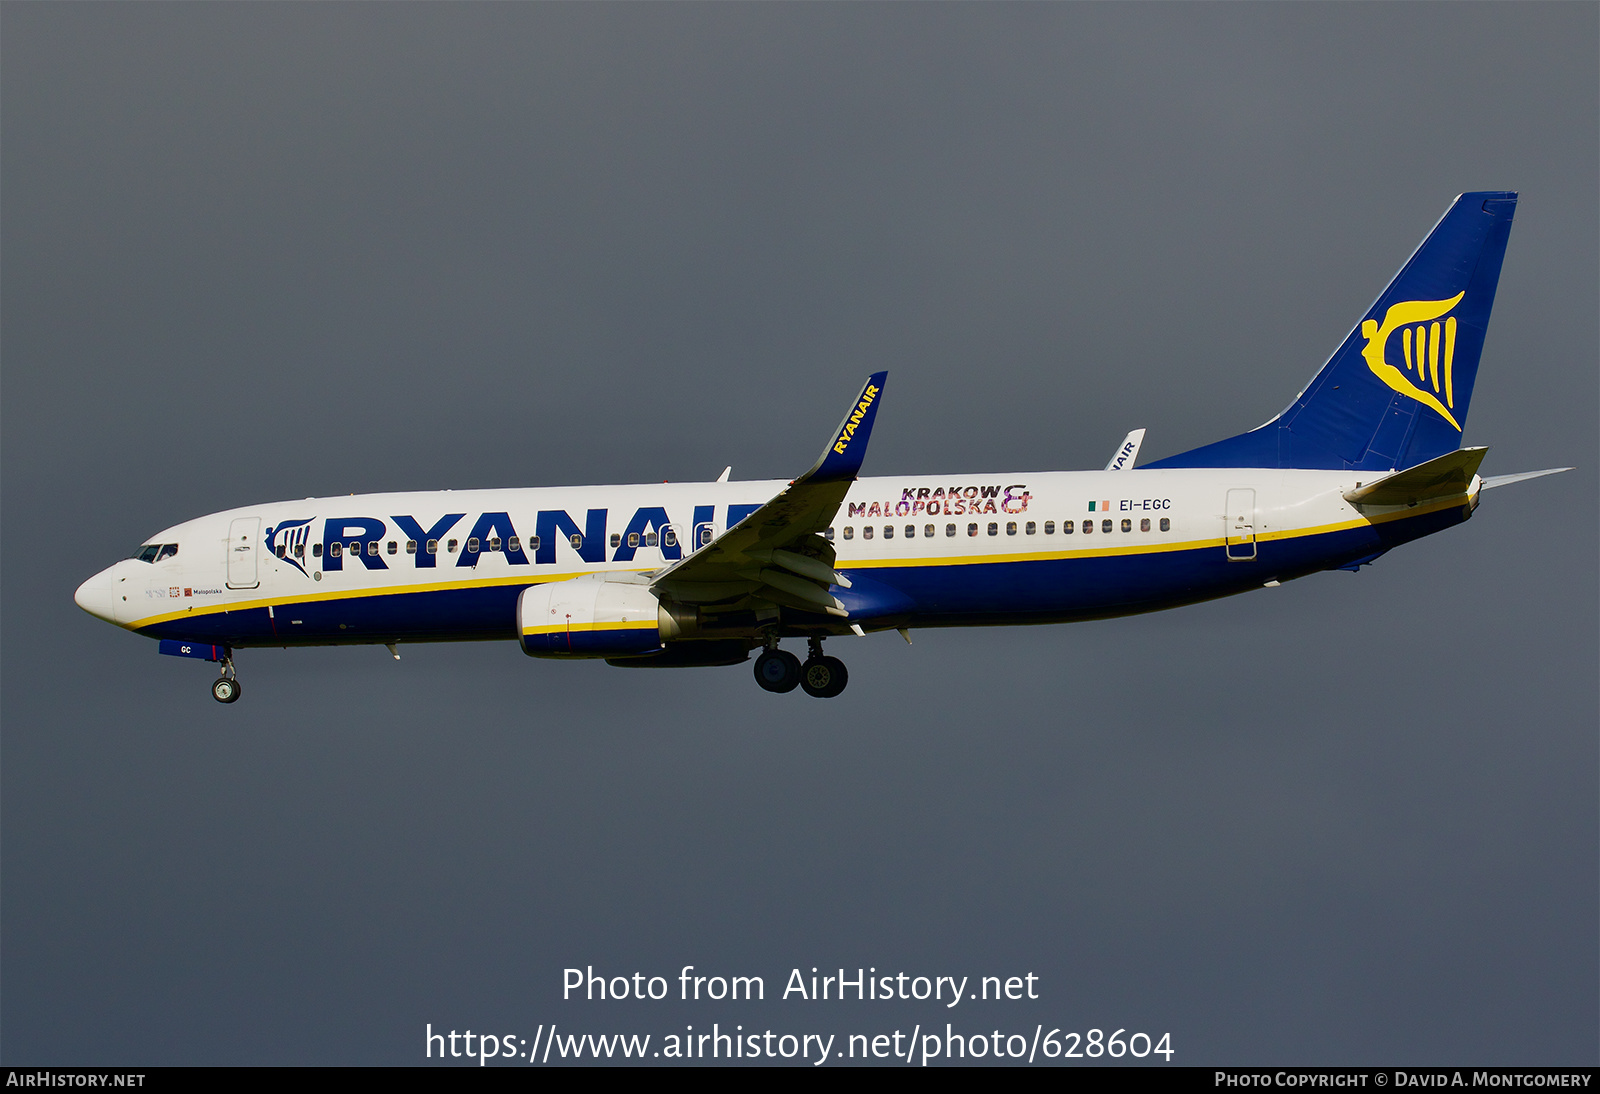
x: 167, y: 551
x: 155, y: 552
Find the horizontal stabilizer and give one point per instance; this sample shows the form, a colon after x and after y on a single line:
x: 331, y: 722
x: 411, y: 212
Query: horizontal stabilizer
x: 1442, y: 477
x: 1506, y: 480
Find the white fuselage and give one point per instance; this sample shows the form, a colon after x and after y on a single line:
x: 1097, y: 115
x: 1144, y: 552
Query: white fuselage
x: 951, y: 549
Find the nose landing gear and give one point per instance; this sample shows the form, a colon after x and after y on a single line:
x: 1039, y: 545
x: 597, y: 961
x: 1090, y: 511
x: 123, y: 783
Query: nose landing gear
x: 225, y: 688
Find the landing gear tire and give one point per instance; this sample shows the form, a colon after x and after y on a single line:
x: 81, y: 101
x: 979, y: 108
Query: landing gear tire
x: 778, y: 670
x: 824, y: 677
x: 225, y: 689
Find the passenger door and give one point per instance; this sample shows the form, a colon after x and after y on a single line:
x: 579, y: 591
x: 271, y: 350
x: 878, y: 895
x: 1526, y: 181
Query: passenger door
x: 1239, y: 531
x: 242, y: 551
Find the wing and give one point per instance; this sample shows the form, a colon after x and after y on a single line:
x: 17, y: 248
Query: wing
x: 776, y: 555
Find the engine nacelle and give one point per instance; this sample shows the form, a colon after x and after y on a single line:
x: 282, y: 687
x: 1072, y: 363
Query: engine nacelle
x: 599, y: 615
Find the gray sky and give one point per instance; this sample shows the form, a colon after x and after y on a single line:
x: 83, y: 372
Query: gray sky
x: 271, y: 251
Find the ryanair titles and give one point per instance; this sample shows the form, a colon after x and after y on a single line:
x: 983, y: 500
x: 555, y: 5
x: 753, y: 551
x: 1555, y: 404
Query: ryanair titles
x: 462, y: 539
x: 868, y: 394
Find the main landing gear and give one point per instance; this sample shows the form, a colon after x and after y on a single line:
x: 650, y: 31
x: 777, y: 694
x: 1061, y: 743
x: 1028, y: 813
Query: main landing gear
x: 225, y: 688
x: 820, y: 676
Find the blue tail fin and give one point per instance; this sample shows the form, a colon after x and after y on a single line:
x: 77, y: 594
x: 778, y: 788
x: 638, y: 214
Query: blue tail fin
x: 1396, y: 393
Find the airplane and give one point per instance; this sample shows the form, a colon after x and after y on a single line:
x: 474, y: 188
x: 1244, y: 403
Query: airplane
x: 1365, y: 458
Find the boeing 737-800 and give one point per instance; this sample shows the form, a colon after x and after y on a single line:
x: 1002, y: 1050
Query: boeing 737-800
x: 1366, y: 458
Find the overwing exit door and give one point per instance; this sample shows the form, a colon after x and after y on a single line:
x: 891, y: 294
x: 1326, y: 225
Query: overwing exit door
x: 1239, y: 533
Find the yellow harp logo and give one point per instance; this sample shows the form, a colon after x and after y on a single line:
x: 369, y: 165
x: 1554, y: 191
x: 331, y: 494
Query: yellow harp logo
x: 1430, y: 344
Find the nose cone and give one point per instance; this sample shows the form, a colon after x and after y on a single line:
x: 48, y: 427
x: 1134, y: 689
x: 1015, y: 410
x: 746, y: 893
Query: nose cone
x: 94, y: 596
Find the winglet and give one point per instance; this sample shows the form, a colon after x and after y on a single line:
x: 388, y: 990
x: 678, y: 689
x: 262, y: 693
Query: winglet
x: 841, y: 460
x: 1127, y: 452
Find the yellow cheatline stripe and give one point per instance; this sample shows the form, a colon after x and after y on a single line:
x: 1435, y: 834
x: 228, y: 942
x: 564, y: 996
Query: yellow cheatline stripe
x: 563, y: 628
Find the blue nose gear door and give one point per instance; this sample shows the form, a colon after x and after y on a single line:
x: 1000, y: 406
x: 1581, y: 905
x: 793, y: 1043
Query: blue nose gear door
x: 242, y: 549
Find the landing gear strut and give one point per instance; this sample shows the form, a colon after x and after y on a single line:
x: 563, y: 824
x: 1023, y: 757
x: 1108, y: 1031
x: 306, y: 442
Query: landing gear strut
x: 225, y: 688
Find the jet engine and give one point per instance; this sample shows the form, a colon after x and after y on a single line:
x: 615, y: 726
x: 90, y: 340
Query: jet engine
x: 598, y: 615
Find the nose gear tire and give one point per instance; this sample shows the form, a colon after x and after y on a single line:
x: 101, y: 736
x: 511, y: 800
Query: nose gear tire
x: 225, y: 689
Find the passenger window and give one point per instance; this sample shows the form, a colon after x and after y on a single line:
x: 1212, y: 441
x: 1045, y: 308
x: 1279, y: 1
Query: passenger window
x: 866, y: 531
x: 1144, y: 524
x: 472, y: 545
x: 299, y: 550
x: 533, y: 543
x: 616, y: 540
x: 394, y: 548
x: 1166, y: 525
x: 576, y: 540
x: 354, y: 548
x: 849, y: 532
x: 994, y: 528
x: 1127, y: 524
x: 513, y: 545
x: 911, y: 531
x: 494, y: 543
x: 1088, y: 526
x: 1030, y: 528
x: 411, y: 546
x: 633, y: 539
x: 450, y: 546
x: 282, y: 550
x: 1105, y: 526
x: 949, y: 529
x: 650, y: 539
x: 1049, y: 527
x: 1067, y: 527
x: 669, y: 538
x: 316, y: 550
x: 972, y: 529
x: 927, y: 531
x: 1011, y: 527
x: 170, y: 549
x: 432, y: 546
x: 372, y: 547
x: 888, y: 531
x: 335, y: 549
x: 827, y: 535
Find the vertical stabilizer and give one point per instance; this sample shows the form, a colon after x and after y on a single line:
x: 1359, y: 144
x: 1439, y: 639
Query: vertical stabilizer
x: 1396, y: 392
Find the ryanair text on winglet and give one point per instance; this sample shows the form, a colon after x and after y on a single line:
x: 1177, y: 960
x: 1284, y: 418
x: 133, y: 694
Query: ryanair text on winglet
x: 854, y: 420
